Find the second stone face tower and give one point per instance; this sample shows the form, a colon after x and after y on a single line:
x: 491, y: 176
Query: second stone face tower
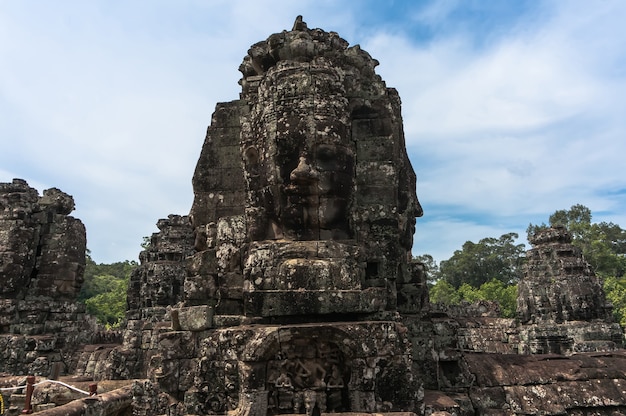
x: 303, y: 216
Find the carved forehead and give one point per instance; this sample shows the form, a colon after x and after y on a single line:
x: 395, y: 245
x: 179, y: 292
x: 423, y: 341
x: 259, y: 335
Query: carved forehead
x: 295, y: 79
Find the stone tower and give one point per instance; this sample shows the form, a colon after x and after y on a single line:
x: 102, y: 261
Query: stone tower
x: 561, y: 303
x: 42, y: 261
x: 302, y: 222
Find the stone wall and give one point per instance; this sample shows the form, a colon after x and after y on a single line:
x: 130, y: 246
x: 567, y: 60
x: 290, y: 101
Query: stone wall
x: 42, y: 261
x: 155, y: 287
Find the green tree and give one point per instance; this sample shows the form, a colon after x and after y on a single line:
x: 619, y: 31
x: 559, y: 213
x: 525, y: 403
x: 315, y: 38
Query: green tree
x: 490, y: 258
x: 615, y: 290
x: 577, y: 221
x: 505, y: 295
x: 469, y: 293
x: 432, y: 269
x: 444, y: 292
x: 104, y: 289
x: 109, y: 306
x: 493, y: 290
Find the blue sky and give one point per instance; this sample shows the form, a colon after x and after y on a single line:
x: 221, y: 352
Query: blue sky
x: 512, y: 109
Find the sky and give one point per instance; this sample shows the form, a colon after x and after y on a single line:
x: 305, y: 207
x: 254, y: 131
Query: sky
x: 512, y: 109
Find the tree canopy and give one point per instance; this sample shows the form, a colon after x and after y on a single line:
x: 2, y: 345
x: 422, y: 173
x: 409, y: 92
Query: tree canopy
x: 490, y: 258
x: 494, y: 290
x: 104, y: 290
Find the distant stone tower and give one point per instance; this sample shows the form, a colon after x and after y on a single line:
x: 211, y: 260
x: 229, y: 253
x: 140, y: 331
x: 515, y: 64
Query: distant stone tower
x: 303, y: 222
x: 561, y: 302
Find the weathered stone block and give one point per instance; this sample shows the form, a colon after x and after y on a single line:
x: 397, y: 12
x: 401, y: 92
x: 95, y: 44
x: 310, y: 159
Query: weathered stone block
x: 372, y: 127
x: 195, y: 318
x: 176, y: 344
x: 200, y: 288
x: 46, y: 343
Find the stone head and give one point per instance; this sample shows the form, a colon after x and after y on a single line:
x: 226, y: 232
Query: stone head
x: 301, y: 147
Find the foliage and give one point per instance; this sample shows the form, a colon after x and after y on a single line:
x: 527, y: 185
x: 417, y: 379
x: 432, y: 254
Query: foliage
x: 489, y: 269
x: 469, y: 293
x: 577, y: 220
x: 505, y: 295
x: 432, y: 270
x: 493, y: 290
x: 444, y: 292
x: 615, y: 290
x: 109, y: 306
x: 104, y: 290
x: 478, y: 263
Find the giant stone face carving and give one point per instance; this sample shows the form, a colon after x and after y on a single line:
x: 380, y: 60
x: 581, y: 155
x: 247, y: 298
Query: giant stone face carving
x: 307, y: 156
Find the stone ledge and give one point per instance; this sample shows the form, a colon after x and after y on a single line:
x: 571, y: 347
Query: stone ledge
x: 269, y: 303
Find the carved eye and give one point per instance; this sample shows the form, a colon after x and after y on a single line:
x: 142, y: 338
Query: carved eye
x: 325, y: 153
x: 251, y: 154
x: 326, y: 157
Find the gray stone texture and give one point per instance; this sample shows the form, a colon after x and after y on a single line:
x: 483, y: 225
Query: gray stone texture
x: 42, y: 261
x: 559, y: 285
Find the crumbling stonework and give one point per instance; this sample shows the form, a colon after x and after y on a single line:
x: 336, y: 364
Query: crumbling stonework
x: 302, y: 222
x: 559, y: 285
x: 561, y: 304
x: 155, y: 287
x: 548, y: 384
x: 42, y: 260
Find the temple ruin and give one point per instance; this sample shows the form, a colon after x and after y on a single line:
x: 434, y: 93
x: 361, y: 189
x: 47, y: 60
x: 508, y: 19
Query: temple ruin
x: 42, y: 260
x: 289, y: 288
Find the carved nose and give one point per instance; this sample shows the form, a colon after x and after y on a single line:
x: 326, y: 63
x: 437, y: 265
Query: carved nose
x: 303, y: 173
